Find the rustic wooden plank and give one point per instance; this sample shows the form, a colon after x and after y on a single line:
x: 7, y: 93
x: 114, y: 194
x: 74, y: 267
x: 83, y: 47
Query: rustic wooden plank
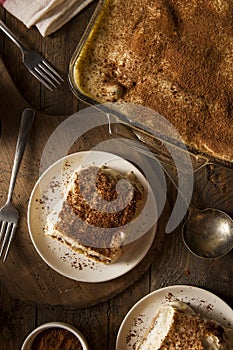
x: 176, y: 265
x: 120, y: 305
x: 16, y: 320
x: 2, y: 36
x: 59, y: 48
x: 91, y: 322
x: 24, y: 81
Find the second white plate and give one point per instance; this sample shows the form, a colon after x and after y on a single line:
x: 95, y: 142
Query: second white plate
x: 138, y: 319
x: 46, y: 199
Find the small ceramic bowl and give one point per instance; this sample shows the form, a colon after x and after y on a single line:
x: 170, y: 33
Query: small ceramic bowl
x: 27, y: 344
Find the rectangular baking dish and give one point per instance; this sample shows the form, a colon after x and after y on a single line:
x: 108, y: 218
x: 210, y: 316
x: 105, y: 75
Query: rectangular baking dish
x: 145, y: 132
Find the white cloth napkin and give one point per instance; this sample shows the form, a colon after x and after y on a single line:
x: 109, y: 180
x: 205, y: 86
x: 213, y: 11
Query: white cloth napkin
x: 47, y: 15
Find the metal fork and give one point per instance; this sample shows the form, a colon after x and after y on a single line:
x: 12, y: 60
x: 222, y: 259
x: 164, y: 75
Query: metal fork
x: 9, y: 215
x: 35, y: 63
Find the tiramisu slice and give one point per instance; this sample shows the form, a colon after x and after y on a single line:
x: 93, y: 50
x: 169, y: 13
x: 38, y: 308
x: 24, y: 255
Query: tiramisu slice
x: 177, y: 327
x: 99, y: 204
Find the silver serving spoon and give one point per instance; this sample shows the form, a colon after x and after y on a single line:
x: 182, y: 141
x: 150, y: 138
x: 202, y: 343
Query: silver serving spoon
x: 208, y: 233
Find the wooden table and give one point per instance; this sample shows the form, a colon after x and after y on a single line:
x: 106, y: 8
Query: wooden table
x: 31, y: 292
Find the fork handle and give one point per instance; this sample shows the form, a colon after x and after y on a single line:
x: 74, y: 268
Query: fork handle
x: 12, y: 36
x: 24, y: 130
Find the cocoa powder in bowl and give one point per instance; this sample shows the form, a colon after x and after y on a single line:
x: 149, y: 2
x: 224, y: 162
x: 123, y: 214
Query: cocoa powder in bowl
x: 56, y: 339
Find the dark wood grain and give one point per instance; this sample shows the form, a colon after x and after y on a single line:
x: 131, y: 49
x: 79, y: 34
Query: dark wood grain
x: 30, y: 292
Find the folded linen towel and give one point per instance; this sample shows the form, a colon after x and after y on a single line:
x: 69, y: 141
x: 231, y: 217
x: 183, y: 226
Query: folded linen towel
x: 47, y: 15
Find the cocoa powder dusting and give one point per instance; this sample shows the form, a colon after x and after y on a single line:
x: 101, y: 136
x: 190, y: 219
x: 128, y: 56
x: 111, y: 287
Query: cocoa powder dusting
x: 174, y: 57
x: 56, y: 339
x: 86, y: 219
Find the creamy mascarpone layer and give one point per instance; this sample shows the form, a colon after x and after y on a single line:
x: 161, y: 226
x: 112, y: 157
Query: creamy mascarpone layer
x: 177, y: 327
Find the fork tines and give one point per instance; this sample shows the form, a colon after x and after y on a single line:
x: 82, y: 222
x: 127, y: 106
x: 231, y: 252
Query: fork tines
x: 7, y: 231
x: 47, y: 75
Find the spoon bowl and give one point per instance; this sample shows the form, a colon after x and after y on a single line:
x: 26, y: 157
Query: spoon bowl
x: 208, y: 233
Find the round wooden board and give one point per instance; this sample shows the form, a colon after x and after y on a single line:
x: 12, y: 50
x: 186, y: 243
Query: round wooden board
x: 25, y: 275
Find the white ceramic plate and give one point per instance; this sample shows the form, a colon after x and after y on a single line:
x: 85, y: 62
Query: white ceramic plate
x: 46, y: 199
x: 140, y: 316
